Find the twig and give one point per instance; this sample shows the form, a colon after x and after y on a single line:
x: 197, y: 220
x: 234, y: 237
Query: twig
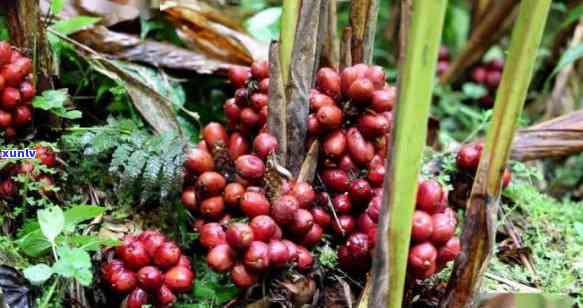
x: 516, y: 285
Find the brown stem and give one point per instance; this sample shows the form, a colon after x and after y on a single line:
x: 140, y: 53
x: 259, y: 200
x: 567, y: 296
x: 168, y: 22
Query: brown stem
x: 491, y: 28
x: 330, y: 52
x: 363, y: 20
x: 345, y: 48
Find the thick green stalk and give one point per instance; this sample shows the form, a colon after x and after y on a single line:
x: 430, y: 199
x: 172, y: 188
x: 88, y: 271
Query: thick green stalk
x: 416, y: 80
x: 480, y: 224
x: 289, y: 21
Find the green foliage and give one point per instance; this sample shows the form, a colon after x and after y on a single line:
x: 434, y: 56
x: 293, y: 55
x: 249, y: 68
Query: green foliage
x: 211, y: 289
x: 54, y: 101
x: 265, y: 25
x: 52, y: 222
x: 457, y: 25
x: 553, y: 231
x: 146, y: 166
x: 328, y: 257
x: 74, y: 24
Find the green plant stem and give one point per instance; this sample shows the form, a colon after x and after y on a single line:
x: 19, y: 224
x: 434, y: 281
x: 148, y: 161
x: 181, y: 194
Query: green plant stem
x: 416, y: 81
x: 289, y: 21
x: 47, y: 297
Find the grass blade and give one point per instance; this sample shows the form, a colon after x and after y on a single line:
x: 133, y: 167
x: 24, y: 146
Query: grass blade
x: 415, y: 87
x: 480, y: 223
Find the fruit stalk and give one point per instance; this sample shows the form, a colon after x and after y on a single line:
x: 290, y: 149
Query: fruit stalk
x: 480, y: 224
x: 407, y: 145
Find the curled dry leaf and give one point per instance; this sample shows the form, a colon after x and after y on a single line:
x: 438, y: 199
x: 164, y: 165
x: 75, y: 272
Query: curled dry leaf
x: 14, y: 289
x: 110, y: 12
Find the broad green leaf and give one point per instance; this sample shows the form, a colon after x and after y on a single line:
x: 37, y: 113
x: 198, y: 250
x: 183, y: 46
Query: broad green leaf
x: 474, y: 91
x: 253, y: 5
x: 52, y: 222
x: 57, y: 6
x: 73, y: 263
x: 80, y: 213
x: 54, y: 101
x: 38, y: 274
x: 75, y: 24
x: 264, y: 26
x: 574, y: 15
x: 457, y: 25
x: 34, y: 244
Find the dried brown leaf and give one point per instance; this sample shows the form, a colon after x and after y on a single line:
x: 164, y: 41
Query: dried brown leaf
x: 277, y: 102
x: 111, y: 13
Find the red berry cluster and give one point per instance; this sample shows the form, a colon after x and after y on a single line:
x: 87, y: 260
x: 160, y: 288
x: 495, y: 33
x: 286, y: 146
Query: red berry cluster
x: 468, y: 159
x: 150, y: 268
x: 17, y: 90
x: 489, y: 75
x: 9, y: 188
x: 443, y: 59
x: 434, y: 243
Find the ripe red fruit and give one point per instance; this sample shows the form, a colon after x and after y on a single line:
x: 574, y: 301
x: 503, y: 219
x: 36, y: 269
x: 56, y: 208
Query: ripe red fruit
x: 249, y: 118
x: 123, y: 282
x: 10, y: 98
x: 305, y: 261
x: 496, y: 65
x: 376, y: 175
x: 167, y: 255
x: 278, y: 253
x: 199, y: 161
x: 264, y: 144
x: 11, y: 74
x: 468, y: 157
x: 152, y: 240
x: 302, y: 222
x: 376, y: 75
x: 360, y: 150
x: 347, y: 77
x: 263, y: 228
x: 346, y: 164
x: 364, y: 223
x: 449, y: 251
x: 213, y: 208
x: 443, y: 53
x: 321, y: 217
x: 260, y: 69
x: 314, y: 127
x: 257, y: 257
x: 254, y: 204
x: 506, y: 178
x: 24, y: 66
x: 232, y: 110
x: 383, y: 100
x: 210, y: 183
x: 242, y: 97
x: 429, y: 195
x: 250, y: 166
x: 238, y: 75
x: 134, y: 255
x: 263, y: 86
x: 179, y: 279
x: 329, y: 116
x: 110, y: 268
x: 27, y: 91
x: 278, y: 234
x: 361, y: 91
x: 8, y: 188
x: 22, y: 115
x: 304, y: 193
x: 150, y: 278
x: 237, y: 146
x: 422, y: 227
x: 345, y: 223
x: 493, y: 79
x: 313, y: 237
x: 487, y: 101
x: 233, y: 194
x: 188, y: 198
x: 5, y: 119
x: 373, y: 126
x: 422, y: 257
x: 334, y: 145
x: 243, y: 278
x: 336, y: 180
x: 215, y: 134
x: 239, y: 236
x: 258, y: 101
x: 184, y: 262
x: 5, y: 53
x: 137, y: 298
x: 292, y: 250
x: 165, y: 296
x: 442, y: 67
x: 2, y: 83
x: 479, y: 75
x: 318, y: 100
x: 221, y: 258
x: 283, y: 209
x: 211, y: 235
x: 360, y: 191
x: 328, y: 82
x: 9, y: 134
x: 358, y: 247
x: 342, y: 203
x: 443, y: 228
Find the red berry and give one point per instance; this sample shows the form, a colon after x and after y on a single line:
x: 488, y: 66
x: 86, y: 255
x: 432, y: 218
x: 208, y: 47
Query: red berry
x: 112, y: 267
x: 199, y: 161
x: 215, y: 134
x: 254, y: 204
x: 27, y: 91
x: 152, y: 240
x: 334, y: 145
x: 5, y: 119
x: 238, y: 75
x: 238, y: 146
x: 422, y: 257
x: 360, y: 191
x: 479, y: 75
x: 260, y: 69
x: 318, y: 100
x: 5, y: 53
x: 263, y: 227
x: 443, y: 228
x: 233, y: 193
x: 376, y: 75
x: 232, y: 110
x: 496, y: 65
x: 493, y: 79
x: 188, y: 198
x: 249, y: 118
x: 449, y: 251
x: 305, y: 261
x: 11, y: 74
x: 373, y: 126
x: 184, y: 262
x: 364, y: 223
x: 302, y: 222
x: 361, y: 91
x: 345, y: 223
x: 443, y: 53
x: 468, y: 157
x: 264, y: 144
x: 283, y: 209
x: 179, y: 279
x: 292, y: 250
x: 137, y: 298
x: 22, y: 115
x: 278, y: 253
x: 329, y: 116
x: 336, y: 180
x: 165, y: 296
x: 10, y: 98
x: 221, y: 258
x: 313, y: 237
x: 134, y: 255
x: 239, y: 236
x: 422, y: 227
x: 150, y: 278
x: 304, y: 193
x: 342, y: 204
x: 258, y: 101
x: 211, y: 235
x: 250, y: 166
x: 212, y: 208
x: 360, y: 150
x: 123, y: 282
x: 321, y: 217
x: 383, y: 100
x: 328, y: 82
x: 429, y: 195
x: 167, y: 255
x: 442, y: 67
x: 243, y: 278
x: 257, y: 257
x: 506, y: 178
